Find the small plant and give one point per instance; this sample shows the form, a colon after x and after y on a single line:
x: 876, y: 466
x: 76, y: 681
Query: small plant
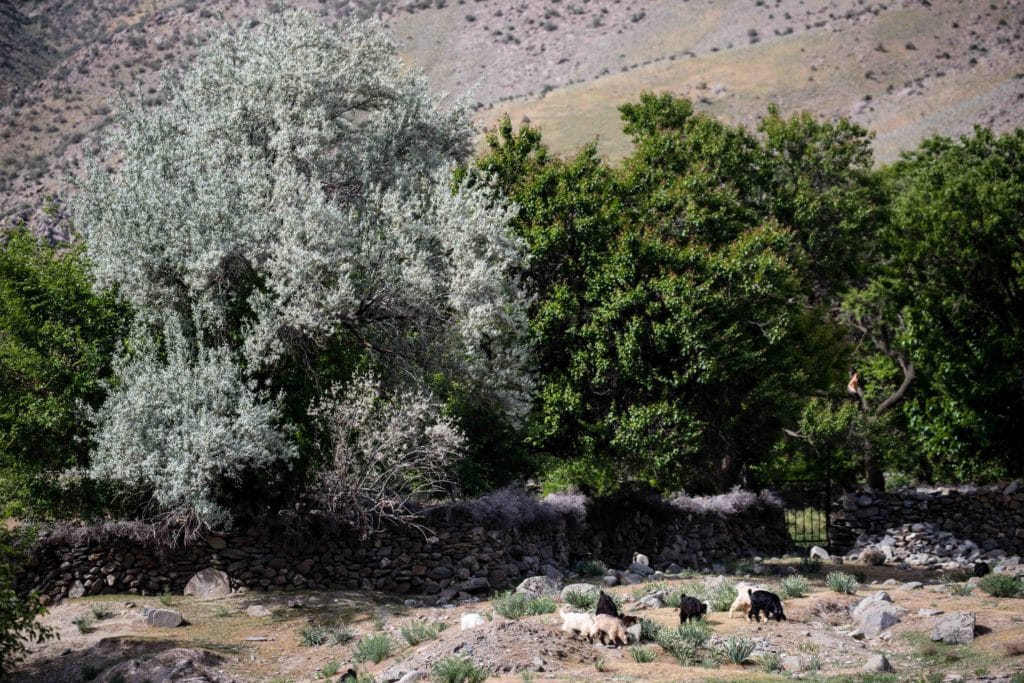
x: 1002, y: 586
x: 770, y: 662
x: 738, y: 649
x: 379, y: 622
x: 643, y: 591
x: 313, y: 635
x: 458, y: 670
x: 955, y: 588
x: 590, y: 568
x: 165, y: 599
x: 650, y: 630
x: 722, y: 596
x: 584, y: 600
x: 695, y: 632
x: 421, y: 631
x: 375, y: 648
x: 84, y: 624
x: 641, y: 655
x: 329, y: 669
x: 742, y: 566
x: 685, y: 653
x: 341, y: 634
x: 601, y: 664
x: 100, y: 612
x: 674, y: 597
x: 795, y: 587
x: 842, y: 583
x: 514, y: 605
x: 222, y: 612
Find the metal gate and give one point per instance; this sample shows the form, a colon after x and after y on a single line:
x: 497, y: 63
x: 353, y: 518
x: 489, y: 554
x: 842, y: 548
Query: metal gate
x: 808, y: 505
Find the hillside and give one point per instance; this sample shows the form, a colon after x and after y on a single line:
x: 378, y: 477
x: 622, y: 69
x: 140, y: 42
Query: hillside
x: 903, y: 69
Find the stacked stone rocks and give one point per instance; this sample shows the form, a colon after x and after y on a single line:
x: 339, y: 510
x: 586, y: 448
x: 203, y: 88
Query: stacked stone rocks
x: 456, y: 556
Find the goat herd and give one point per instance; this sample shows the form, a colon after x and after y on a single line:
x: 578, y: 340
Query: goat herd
x: 609, y: 625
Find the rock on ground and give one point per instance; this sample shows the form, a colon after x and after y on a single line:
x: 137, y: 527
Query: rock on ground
x: 581, y: 588
x: 209, y: 584
x: 878, y: 664
x: 538, y: 586
x: 162, y: 618
x: 957, y: 627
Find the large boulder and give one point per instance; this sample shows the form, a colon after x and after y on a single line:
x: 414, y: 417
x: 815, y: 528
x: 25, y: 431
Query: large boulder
x: 162, y: 618
x: 875, y: 614
x: 538, y: 586
x: 955, y: 628
x: 581, y: 588
x: 872, y: 556
x: 209, y: 584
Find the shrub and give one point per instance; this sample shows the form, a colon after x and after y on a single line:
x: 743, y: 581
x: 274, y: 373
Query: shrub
x: 590, y: 568
x: 795, y: 587
x: 1002, y: 586
x: 695, y: 632
x: 842, y: 583
x: 341, y: 634
x: 375, y: 648
x: 330, y: 669
x: 641, y: 655
x: 721, y: 596
x: 957, y: 588
x: 421, y: 631
x: 650, y: 631
x: 458, y: 670
x: 738, y: 649
x: 313, y: 635
x: 512, y: 605
x: 100, y: 612
x: 684, y: 652
x: 585, y: 600
x: 771, y: 662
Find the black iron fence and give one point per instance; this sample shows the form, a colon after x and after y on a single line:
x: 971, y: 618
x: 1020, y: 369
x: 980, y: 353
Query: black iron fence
x: 808, y: 505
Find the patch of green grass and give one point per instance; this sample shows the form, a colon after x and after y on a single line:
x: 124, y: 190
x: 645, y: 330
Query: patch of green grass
x: 512, y: 605
x: 313, y: 635
x: 641, y: 655
x: 375, y: 648
x: 601, y: 664
x: 695, y: 632
x: 329, y: 669
x: 584, y: 600
x: 1002, y: 586
x: 422, y: 631
x: 722, y: 596
x: 956, y: 588
x: 650, y: 631
x: 841, y: 582
x: 100, y: 612
x: 341, y: 634
x: 770, y: 662
x: 590, y: 568
x: 84, y: 624
x: 643, y: 591
x: 738, y: 649
x: 684, y: 652
x: 795, y: 587
x: 458, y: 670
x: 221, y: 611
x: 166, y: 599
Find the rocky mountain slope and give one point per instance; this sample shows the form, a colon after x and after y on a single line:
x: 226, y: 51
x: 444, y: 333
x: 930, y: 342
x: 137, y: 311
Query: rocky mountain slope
x: 903, y: 68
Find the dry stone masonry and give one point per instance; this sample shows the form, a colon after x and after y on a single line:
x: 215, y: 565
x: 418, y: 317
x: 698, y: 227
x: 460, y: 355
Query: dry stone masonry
x: 468, y: 548
x: 947, y: 528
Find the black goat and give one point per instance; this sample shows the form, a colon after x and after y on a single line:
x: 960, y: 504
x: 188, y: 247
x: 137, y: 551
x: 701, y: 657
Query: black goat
x: 605, y: 605
x: 769, y: 603
x: 691, y: 608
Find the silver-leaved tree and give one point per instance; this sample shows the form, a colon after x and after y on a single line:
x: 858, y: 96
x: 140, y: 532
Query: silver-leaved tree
x: 286, y: 222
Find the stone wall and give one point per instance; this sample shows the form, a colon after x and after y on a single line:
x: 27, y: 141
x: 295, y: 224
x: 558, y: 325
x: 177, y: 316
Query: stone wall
x: 990, y: 516
x: 473, y: 547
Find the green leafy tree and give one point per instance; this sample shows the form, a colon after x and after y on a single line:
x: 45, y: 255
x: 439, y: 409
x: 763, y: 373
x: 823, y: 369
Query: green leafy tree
x: 287, y: 220
x: 57, y: 339
x: 946, y: 305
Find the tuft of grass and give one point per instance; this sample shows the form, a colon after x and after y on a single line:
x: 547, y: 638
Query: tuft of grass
x: 738, y: 649
x: 695, y: 632
x: 458, y: 670
x: 584, y: 600
x: 84, y: 624
x: 421, y: 632
x: 956, y: 588
x: 329, y: 669
x: 222, y: 612
x: 341, y: 634
x: 1002, y: 586
x: 512, y: 605
x: 842, y: 583
x: 100, y: 612
x: 375, y: 648
x: 650, y: 630
x: 313, y: 635
x: 601, y: 664
x: 770, y: 662
x: 795, y: 587
x: 641, y: 655
x: 722, y: 596
x: 643, y: 591
x: 590, y: 568
x: 685, y: 653
x: 166, y: 599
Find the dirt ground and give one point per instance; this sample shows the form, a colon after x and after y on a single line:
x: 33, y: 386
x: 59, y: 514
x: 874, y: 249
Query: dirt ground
x: 221, y: 643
